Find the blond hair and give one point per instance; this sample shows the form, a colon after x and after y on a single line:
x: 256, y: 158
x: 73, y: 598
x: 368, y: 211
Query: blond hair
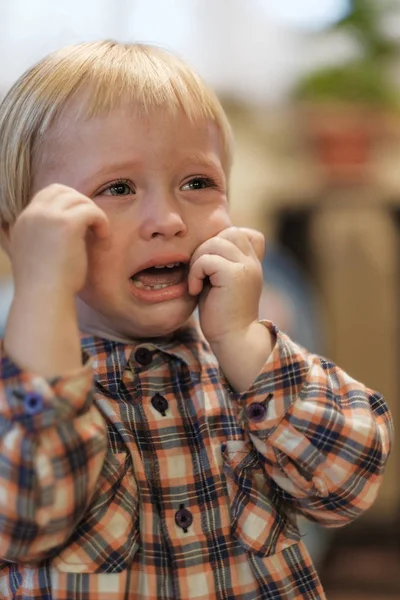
x: 143, y: 76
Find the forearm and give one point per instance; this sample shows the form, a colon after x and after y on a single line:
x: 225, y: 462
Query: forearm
x: 52, y: 446
x: 47, y: 484
x: 42, y: 334
x: 242, y: 355
x: 328, y: 461
x: 323, y: 437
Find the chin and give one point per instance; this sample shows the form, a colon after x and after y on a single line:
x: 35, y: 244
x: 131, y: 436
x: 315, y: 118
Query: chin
x: 162, y: 324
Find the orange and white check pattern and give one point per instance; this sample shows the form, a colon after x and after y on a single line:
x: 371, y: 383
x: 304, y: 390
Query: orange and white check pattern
x: 108, y: 492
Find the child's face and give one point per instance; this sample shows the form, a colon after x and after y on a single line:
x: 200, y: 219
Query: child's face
x: 161, y: 183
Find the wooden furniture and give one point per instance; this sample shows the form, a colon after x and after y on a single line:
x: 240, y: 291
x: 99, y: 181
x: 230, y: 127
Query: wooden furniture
x: 349, y: 241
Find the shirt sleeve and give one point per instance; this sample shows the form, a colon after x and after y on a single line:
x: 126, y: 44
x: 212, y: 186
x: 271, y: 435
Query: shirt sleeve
x: 323, y: 437
x: 52, y: 447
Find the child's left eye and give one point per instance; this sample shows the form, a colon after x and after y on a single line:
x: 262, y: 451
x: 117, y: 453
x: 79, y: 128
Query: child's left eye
x: 119, y: 188
x: 198, y: 183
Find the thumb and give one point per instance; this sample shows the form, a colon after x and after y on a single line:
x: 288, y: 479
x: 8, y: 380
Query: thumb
x: 100, y: 224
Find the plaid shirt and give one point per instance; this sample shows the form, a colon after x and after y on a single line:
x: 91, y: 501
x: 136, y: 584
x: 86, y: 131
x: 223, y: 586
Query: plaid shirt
x: 159, y: 482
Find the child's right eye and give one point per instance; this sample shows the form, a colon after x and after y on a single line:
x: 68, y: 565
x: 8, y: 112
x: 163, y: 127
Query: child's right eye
x: 119, y: 188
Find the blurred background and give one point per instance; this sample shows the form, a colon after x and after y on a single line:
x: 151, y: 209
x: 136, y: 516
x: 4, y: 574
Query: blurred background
x: 312, y: 88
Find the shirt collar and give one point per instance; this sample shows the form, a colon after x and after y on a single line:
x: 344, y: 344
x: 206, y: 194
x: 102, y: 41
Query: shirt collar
x: 110, y: 359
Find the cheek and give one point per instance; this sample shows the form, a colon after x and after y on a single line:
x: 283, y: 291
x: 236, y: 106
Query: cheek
x: 214, y: 222
x: 104, y: 259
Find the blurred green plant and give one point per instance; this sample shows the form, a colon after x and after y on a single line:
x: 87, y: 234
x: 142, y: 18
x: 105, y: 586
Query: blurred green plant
x: 359, y: 82
x: 365, y: 80
x: 364, y: 22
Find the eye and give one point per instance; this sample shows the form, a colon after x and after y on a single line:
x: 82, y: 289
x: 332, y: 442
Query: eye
x: 198, y: 183
x: 119, y: 188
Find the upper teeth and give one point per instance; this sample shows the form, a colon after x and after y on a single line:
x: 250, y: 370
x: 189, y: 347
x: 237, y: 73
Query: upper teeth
x: 169, y: 266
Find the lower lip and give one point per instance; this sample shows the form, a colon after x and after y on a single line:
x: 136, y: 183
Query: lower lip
x: 163, y: 295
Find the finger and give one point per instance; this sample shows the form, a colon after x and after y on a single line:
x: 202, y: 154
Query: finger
x: 93, y: 218
x: 100, y: 225
x: 55, y: 191
x: 250, y: 241
x: 256, y: 239
x: 218, y: 246
x: 211, y: 267
x: 237, y: 236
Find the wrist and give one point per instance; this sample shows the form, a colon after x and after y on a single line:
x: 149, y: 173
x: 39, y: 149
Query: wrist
x: 42, y: 332
x: 242, y: 354
x: 249, y: 335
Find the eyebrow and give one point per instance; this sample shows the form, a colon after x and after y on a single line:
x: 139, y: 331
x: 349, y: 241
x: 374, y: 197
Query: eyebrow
x: 204, y: 161
x: 109, y: 169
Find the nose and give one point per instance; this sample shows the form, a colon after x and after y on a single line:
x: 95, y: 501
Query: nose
x: 162, y: 217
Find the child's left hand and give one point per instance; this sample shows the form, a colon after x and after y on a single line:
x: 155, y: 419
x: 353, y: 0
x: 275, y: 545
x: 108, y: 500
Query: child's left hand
x: 226, y: 271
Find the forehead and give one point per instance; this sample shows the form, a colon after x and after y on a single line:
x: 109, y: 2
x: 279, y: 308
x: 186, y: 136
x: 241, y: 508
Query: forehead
x: 128, y: 127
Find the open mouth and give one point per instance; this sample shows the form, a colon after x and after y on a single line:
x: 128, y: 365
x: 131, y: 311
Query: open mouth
x: 159, y: 277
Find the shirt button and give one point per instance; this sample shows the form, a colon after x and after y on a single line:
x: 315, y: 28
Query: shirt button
x: 256, y: 412
x: 33, y: 403
x: 183, y: 518
x: 160, y: 404
x: 143, y: 356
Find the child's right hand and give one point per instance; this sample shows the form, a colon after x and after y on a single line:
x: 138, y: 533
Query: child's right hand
x: 47, y: 247
x: 48, y: 240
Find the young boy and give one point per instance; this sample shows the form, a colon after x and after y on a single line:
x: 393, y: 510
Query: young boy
x: 140, y: 458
